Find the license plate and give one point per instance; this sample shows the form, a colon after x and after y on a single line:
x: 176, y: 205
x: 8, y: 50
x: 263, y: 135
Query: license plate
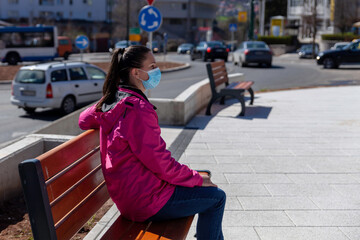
x: 28, y: 93
x: 259, y: 53
x: 219, y: 50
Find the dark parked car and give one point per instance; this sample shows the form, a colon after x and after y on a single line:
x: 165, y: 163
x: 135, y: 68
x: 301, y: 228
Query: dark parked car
x: 210, y: 50
x: 306, y: 51
x: 350, y: 54
x: 253, y: 52
x: 185, y: 48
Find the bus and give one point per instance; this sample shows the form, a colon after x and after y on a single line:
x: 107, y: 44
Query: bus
x: 18, y: 44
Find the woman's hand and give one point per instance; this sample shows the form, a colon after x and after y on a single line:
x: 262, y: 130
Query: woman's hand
x: 207, y: 181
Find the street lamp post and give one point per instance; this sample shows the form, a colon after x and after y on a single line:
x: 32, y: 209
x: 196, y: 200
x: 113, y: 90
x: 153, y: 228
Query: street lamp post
x: 127, y: 20
x: 251, y: 25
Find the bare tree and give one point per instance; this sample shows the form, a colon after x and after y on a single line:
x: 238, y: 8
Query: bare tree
x: 120, y: 14
x: 345, y: 14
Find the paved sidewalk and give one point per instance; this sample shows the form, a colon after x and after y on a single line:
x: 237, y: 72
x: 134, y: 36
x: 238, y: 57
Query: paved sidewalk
x: 290, y: 167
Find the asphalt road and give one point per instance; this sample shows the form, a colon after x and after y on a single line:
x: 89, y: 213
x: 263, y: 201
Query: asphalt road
x: 287, y: 72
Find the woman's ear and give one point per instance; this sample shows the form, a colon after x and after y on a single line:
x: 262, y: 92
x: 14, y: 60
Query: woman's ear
x: 134, y: 72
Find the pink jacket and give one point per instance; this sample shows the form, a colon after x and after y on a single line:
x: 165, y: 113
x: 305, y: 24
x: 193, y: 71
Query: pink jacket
x: 140, y: 173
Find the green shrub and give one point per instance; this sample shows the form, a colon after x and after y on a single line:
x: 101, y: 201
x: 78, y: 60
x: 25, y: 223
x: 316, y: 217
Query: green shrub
x: 288, y: 40
x: 340, y: 36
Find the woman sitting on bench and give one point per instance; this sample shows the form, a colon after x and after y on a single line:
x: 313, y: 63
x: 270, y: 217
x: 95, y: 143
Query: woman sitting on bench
x: 142, y: 178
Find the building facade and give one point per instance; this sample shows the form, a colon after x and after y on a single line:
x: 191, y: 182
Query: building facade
x: 332, y: 16
x: 190, y: 20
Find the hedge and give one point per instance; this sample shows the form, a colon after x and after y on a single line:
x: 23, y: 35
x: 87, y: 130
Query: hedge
x: 288, y: 40
x: 340, y: 37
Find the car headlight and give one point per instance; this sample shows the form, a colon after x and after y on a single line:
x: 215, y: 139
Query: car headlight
x: 318, y: 57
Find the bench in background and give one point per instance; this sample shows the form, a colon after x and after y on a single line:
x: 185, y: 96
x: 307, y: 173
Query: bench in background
x: 218, y: 75
x: 65, y: 187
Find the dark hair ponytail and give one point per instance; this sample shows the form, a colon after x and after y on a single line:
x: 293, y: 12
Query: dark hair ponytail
x: 123, y: 60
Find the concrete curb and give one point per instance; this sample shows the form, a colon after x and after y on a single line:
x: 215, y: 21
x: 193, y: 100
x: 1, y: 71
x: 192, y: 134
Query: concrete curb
x: 185, y: 66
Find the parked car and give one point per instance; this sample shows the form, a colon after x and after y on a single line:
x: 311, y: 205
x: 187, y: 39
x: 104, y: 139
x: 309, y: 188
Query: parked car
x: 252, y: 52
x: 156, y: 46
x: 349, y: 54
x: 339, y: 45
x: 62, y: 85
x: 123, y: 44
x: 210, y: 50
x: 185, y: 48
x: 306, y: 51
x: 64, y: 47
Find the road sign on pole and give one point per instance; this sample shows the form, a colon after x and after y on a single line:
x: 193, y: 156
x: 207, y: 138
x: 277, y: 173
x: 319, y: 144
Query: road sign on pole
x: 150, y: 18
x: 232, y: 27
x: 150, y: 2
x: 82, y: 42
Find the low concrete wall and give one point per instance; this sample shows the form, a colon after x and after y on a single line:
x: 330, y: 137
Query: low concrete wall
x: 175, y: 112
x: 29, y: 147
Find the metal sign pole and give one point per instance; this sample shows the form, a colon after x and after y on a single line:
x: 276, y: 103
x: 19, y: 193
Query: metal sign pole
x: 150, y: 41
x: 81, y: 54
x: 232, y: 41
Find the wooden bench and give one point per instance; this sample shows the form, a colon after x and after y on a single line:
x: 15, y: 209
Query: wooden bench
x: 65, y: 187
x: 218, y: 75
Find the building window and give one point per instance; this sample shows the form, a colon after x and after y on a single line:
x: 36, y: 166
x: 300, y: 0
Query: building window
x: 60, y: 2
x: 13, y: 1
x: 70, y: 2
x: 296, y: 3
x: 175, y: 21
x: 46, y: 2
x: 46, y: 14
x: 88, y: 2
x: 89, y: 14
x: 59, y: 15
x: 184, y: 6
x: 13, y: 14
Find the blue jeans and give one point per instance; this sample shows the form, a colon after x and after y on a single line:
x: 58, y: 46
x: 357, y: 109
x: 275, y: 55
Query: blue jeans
x: 208, y: 202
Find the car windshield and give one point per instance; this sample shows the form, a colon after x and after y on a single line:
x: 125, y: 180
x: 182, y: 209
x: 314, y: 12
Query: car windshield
x: 256, y: 45
x: 348, y: 46
x: 30, y: 76
x: 186, y: 45
x: 215, y: 44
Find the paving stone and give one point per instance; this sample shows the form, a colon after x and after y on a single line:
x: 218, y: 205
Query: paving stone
x: 256, y: 218
x: 283, y: 167
x: 232, y: 233
x: 322, y: 178
x: 305, y: 190
x: 339, y: 202
x: 242, y: 159
x: 197, y: 159
x: 353, y: 233
x: 276, y: 203
x: 326, y: 218
x: 244, y: 189
x: 257, y: 178
x: 224, y: 168
x: 232, y: 203
x: 348, y: 190
x: 300, y: 233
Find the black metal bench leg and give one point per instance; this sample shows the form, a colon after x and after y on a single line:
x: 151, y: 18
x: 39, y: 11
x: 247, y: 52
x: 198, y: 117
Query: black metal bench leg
x: 222, y: 100
x: 252, y: 96
x: 208, y: 108
x: 242, y: 102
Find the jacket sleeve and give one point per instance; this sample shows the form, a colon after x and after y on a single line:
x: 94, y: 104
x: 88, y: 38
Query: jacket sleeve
x: 88, y: 120
x: 143, y: 136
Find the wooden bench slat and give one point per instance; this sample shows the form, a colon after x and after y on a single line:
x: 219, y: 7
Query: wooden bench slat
x: 219, y: 70
x: 244, y: 85
x: 177, y: 229
x: 216, y: 64
x: 87, y: 209
x: 69, y: 201
x: 121, y: 225
x: 63, y: 155
x: 71, y: 177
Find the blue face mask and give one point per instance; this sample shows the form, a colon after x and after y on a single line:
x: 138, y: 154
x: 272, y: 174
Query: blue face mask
x: 154, y: 78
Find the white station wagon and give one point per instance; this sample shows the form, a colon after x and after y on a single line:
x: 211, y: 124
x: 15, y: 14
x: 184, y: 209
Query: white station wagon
x: 62, y: 85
